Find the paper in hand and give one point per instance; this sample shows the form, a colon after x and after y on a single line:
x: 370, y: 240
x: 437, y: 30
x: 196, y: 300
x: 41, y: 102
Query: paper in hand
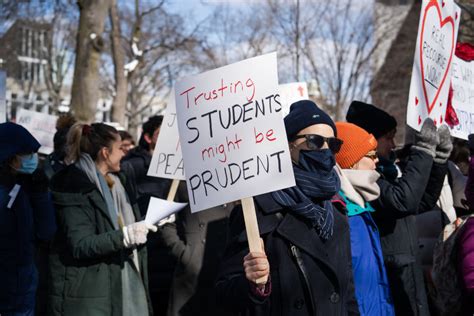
x: 159, y: 209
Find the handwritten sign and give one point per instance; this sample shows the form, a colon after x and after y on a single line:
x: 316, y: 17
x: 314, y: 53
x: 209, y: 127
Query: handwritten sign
x: 435, y: 46
x: 291, y: 93
x: 232, y: 133
x: 42, y: 126
x: 167, y: 160
x: 462, y: 81
x: 3, y: 92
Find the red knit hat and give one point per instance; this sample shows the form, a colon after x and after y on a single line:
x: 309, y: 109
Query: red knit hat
x: 357, y: 143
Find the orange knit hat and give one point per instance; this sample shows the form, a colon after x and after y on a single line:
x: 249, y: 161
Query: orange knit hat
x: 357, y: 143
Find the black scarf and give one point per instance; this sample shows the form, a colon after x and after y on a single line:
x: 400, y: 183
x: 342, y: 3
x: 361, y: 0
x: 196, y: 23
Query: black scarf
x: 316, y: 183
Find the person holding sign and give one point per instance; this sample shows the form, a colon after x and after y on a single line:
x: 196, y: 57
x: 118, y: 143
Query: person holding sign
x: 356, y: 167
x: 98, y: 258
x: 405, y: 190
x: 304, y: 267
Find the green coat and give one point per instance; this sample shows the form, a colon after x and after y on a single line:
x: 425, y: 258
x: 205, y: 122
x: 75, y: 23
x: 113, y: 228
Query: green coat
x: 87, y: 255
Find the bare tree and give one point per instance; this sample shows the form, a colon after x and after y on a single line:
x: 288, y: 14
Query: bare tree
x: 89, y: 46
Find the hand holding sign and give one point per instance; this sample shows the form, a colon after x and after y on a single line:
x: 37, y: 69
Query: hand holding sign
x: 431, y: 74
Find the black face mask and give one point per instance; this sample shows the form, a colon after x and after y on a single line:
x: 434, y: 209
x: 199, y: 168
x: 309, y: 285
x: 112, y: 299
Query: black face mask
x: 316, y: 160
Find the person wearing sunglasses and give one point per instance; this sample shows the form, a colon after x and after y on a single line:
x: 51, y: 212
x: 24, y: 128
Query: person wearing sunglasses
x: 26, y: 218
x: 304, y: 267
x: 356, y: 162
x: 406, y: 190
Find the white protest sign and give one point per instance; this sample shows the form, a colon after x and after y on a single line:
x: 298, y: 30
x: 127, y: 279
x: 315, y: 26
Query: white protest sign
x: 3, y: 93
x: 167, y: 161
x: 42, y: 126
x: 435, y: 46
x: 291, y: 93
x: 159, y: 209
x: 232, y: 133
x: 462, y: 81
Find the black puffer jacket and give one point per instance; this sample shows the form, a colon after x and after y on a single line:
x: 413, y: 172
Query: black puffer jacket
x: 416, y: 191
x: 292, y: 245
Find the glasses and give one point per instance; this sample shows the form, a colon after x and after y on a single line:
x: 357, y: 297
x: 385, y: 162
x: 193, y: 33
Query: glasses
x: 315, y: 141
x: 372, y: 155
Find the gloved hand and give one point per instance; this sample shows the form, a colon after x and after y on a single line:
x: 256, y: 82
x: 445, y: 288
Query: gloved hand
x: 427, y: 138
x: 135, y: 234
x: 170, y: 219
x: 445, y: 146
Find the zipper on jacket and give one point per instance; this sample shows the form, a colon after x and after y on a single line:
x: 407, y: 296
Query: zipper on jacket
x: 299, y: 262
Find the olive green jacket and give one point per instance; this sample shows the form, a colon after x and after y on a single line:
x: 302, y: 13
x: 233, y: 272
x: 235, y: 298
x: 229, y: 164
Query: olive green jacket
x: 88, y: 253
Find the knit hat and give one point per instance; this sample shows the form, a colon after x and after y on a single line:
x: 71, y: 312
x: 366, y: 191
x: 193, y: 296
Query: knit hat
x: 370, y: 118
x: 303, y: 114
x: 15, y: 139
x: 357, y: 143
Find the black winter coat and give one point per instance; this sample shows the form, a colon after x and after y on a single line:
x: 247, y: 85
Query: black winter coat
x: 400, y: 200
x: 308, y: 276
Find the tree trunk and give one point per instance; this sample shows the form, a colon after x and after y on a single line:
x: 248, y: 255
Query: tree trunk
x: 86, y: 81
x: 119, y: 104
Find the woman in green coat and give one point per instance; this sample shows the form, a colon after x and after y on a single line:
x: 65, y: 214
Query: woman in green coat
x: 98, y: 263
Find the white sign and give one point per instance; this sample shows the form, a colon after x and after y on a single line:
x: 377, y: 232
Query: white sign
x: 291, y: 93
x: 159, y: 209
x: 3, y: 92
x: 167, y: 161
x: 462, y: 81
x: 232, y: 133
x: 435, y: 46
x: 42, y: 126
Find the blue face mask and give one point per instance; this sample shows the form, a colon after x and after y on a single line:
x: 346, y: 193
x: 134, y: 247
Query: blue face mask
x: 29, y: 163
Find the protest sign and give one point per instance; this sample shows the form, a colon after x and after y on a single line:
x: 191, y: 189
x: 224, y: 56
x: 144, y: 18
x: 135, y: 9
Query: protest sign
x: 42, y: 126
x: 167, y: 161
x: 435, y: 45
x: 462, y: 81
x: 3, y: 93
x: 291, y: 93
x: 232, y: 133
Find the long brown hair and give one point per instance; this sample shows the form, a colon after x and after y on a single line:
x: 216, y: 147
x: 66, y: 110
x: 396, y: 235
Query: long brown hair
x: 89, y: 139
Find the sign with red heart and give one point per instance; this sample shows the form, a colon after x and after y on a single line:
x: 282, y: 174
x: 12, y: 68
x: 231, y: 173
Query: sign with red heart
x: 430, y: 79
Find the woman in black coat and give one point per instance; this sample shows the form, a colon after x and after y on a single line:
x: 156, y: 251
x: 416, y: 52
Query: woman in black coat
x: 306, y: 259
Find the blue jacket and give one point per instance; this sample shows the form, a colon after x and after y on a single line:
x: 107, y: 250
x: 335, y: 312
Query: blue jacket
x: 370, y: 278
x: 30, y: 218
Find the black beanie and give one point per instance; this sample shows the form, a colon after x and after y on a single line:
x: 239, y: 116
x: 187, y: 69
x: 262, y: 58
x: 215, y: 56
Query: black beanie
x: 303, y: 114
x: 374, y: 120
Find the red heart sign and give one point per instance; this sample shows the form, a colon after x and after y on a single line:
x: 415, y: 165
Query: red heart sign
x: 449, y: 20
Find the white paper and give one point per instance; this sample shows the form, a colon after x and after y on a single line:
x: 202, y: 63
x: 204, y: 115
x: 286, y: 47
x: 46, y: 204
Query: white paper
x: 431, y: 75
x: 42, y: 126
x: 13, y: 194
x: 462, y: 81
x: 167, y: 161
x: 159, y: 209
x: 232, y: 133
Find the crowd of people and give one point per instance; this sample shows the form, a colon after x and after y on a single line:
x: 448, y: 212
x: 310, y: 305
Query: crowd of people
x: 369, y: 228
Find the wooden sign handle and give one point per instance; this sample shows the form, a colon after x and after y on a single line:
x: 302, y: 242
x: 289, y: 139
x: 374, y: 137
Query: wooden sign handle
x: 173, y: 190
x: 251, y: 226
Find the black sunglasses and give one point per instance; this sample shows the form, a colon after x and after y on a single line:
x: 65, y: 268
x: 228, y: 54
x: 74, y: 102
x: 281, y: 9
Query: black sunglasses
x: 317, y: 142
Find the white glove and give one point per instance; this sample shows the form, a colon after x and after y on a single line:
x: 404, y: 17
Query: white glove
x: 170, y: 219
x: 135, y: 234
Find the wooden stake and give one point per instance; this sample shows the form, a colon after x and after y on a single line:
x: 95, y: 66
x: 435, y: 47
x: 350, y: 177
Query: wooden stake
x: 251, y: 226
x: 173, y: 190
